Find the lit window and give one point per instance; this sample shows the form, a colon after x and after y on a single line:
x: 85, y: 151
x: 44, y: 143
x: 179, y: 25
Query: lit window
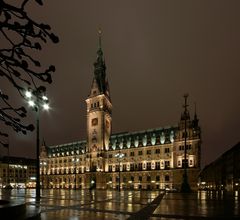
x: 179, y: 163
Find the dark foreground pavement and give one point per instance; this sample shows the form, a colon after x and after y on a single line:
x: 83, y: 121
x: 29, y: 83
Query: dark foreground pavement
x: 200, y: 205
x: 131, y: 205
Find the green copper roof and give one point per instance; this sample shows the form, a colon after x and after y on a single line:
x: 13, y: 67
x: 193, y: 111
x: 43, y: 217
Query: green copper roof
x: 122, y: 141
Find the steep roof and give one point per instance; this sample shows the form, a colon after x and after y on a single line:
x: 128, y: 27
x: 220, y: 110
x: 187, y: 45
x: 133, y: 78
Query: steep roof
x: 122, y: 140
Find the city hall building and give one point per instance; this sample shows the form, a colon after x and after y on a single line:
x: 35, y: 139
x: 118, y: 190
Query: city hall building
x: 149, y: 159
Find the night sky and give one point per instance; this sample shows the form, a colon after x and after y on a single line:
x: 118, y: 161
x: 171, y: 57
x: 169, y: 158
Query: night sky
x: 155, y: 51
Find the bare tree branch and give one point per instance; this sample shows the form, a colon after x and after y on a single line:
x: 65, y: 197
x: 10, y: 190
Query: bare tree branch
x: 17, y: 66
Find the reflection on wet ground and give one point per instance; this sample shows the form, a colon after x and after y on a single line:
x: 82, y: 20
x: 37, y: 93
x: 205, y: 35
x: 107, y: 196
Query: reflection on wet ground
x: 202, y: 204
x: 101, y: 204
x: 85, y: 204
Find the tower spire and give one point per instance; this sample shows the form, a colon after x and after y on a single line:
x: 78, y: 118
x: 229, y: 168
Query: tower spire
x: 185, y: 103
x: 195, y: 110
x: 195, y: 120
x: 100, y: 38
x: 100, y: 67
x: 185, y: 114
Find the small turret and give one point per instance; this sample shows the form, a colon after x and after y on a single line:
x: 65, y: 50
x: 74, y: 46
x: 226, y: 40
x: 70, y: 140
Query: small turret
x: 195, y: 120
x: 43, y: 149
x: 185, y: 115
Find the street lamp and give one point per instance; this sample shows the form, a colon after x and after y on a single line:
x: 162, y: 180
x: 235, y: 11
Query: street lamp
x: 185, y: 187
x: 119, y: 156
x: 76, y: 160
x: 37, y: 100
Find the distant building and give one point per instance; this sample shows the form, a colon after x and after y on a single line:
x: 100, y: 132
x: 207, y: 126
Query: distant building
x: 149, y: 159
x: 223, y: 173
x: 18, y: 172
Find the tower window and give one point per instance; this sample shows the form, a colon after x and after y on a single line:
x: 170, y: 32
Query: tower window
x: 94, y: 121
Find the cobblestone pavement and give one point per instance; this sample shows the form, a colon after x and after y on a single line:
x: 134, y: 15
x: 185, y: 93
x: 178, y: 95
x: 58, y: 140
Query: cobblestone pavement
x: 131, y: 205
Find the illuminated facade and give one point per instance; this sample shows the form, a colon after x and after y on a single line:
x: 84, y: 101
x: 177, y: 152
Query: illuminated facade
x: 150, y: 159
x: 18, y: 172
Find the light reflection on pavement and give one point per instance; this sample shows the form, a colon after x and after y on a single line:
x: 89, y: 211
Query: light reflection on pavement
x: 112, y: 205
x: 85, y: 204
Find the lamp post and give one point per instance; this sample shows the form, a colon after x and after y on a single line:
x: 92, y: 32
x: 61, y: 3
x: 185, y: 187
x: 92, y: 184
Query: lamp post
x: 119, y: 156
x: 75, y: 170
x: 185, y: 185
x: 37, y: 100
x: 8, y: 176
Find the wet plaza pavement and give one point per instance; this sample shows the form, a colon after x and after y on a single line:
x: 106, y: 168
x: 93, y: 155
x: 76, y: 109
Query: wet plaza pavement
x: 101, y: 204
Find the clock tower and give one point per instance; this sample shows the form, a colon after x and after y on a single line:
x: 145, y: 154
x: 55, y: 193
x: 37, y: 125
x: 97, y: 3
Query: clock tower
x: 99, y: 116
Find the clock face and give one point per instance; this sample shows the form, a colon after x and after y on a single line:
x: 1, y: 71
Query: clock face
x: 94, y: 121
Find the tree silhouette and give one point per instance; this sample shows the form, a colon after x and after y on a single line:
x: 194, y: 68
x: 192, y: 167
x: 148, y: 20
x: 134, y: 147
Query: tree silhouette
x: 21, y: 35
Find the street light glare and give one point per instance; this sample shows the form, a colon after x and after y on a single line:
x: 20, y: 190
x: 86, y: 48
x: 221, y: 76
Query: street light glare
x: 28, y: 94
x: 31, y: 103
x: 46, y: 106
x: 45, y: 98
